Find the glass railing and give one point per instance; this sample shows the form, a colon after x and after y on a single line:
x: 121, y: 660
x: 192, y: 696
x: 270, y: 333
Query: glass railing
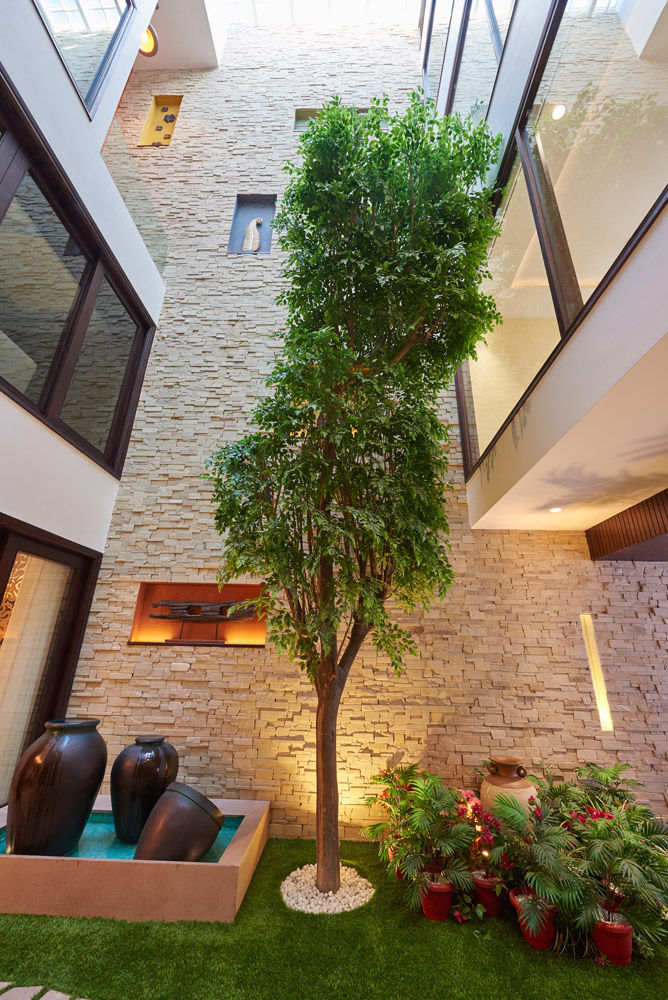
x: 124, y: 169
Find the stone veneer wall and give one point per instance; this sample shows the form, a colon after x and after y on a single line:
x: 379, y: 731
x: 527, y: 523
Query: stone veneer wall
x: 502, y: 662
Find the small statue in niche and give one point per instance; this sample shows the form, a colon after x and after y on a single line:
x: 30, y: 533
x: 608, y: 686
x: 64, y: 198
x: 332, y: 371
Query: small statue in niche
x: 252, y: 236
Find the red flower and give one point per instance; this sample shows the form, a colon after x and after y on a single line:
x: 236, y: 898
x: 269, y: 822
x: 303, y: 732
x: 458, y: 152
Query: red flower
x: 462, y: 810
x: 538, y: 812
x: 600, y: 961
x: 531, y: 800
x: 459, y: 917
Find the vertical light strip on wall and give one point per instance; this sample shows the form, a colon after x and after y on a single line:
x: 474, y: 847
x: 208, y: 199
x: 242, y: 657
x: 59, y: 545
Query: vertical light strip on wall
x: 597, y: 678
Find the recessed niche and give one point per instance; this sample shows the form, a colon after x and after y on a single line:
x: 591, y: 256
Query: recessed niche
x: 249, y: 207
x: 161, y: 119
x: 196, y: 614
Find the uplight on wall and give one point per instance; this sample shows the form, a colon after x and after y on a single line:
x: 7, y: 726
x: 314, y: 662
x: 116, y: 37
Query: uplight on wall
x: 149, y: 42
x: 558, y: 111
x: 597, y: 678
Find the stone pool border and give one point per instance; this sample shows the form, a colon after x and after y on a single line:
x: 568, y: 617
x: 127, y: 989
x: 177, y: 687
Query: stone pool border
x: 139, y: 890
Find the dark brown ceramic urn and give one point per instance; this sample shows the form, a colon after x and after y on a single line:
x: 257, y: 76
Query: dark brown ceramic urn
x: 140, y: 775
x: 54, y: 788
x: 182, y: 826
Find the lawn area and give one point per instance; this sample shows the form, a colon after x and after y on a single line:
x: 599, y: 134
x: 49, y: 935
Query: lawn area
x: 379, y: 952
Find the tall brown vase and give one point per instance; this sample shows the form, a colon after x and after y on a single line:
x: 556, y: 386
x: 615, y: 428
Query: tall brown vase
x: 507, y: 776
x: 54, y: 788
x: 139, y: 776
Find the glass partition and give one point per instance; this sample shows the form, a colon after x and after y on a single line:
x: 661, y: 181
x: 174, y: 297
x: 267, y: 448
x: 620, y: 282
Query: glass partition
x: 437, y: 43
x: 477, y: 71
x: 83, y: 31
x: 517, y: 348
x: 503, y: 11
x: 600, y: 125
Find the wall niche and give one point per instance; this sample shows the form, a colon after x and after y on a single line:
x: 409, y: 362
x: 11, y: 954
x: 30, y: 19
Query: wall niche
x: 196, y: 614
x: 246, y: 237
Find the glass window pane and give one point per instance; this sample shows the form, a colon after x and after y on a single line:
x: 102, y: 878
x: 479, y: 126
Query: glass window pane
x: 31, y: 610
x: 478, y: 69
x: 517, y: 348
x: 503, y: 10
x: 439, y: 37
x: 83, y: 30
x: 40, y: 271
x: 100, y: 369
x: 600, y: 122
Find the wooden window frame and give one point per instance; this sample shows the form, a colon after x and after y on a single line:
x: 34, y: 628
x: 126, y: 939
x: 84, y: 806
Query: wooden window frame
x: 23, y: 150
x: 57, y: 684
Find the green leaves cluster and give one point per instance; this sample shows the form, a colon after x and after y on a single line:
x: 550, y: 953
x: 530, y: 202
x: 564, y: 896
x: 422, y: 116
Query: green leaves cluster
x: 336, y: 498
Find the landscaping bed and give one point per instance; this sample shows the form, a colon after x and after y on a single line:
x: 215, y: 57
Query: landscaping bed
x: 381, y: 951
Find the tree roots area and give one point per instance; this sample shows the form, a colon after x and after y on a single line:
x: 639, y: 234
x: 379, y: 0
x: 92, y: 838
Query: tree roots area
x: 381, y: 951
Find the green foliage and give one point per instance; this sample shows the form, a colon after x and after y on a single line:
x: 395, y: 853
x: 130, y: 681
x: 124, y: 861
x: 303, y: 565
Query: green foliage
x: 335, y: 500
x: 396, y: 801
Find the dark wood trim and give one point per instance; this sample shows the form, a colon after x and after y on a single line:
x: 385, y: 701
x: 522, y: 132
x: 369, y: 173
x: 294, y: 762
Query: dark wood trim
x: 44, y: 537
x: 464, y: 432
x: 427, y: 48
x: 119, y: 439
x: 640, y: 532
x: 461, y: 40
x: 10, y: 180
x: 497, y: 40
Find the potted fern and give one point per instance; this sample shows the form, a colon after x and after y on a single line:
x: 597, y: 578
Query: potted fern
x: 434, y: 852
x: 395, y: 800
x: 535, y: 849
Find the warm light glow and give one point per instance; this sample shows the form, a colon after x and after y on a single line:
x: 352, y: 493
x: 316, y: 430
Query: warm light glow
x: 597, y: 677
x: 149, y: 42
x: 558, y: 111
x: 555, y: 510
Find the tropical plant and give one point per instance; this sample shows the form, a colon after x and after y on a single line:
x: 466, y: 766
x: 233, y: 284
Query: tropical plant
x: 396, y: 801
x: 606, y: 787
x: 436, y: 845
x: 535, y: 855
x: 335, y: 500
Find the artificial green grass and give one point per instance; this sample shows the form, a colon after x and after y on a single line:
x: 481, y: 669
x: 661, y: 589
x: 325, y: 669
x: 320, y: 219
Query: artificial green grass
x: 379, y: 952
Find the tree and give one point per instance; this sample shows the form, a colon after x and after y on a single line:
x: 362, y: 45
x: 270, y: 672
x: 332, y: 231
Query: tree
x: 336, y: 499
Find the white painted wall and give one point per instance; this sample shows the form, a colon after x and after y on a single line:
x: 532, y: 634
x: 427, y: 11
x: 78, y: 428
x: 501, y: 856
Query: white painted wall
x: 31, y: 60
x: 593, y: 436
x: 46, y: 482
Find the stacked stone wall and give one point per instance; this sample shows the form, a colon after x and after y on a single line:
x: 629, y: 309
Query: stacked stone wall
x: 501, y: 662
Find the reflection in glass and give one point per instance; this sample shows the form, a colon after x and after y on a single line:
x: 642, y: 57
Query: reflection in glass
x: 93, y: 393
x: 31, y: 610
x: 83, y: 30
x: 40, y: 271
x: 439, y: 38
x: 516, y: 350
x: 600, y: 122
x: 478, y: 69
x: 503, y: 11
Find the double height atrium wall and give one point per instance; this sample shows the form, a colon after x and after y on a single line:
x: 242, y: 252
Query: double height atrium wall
x: 502, y: 662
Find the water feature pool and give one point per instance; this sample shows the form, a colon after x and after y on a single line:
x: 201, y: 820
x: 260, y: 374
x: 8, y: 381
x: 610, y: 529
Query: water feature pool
x: 99, y: 840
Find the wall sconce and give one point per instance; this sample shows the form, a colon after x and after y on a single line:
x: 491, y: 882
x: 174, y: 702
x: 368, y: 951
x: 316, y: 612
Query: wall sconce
x: 149, y: 42
x: 597, y: 678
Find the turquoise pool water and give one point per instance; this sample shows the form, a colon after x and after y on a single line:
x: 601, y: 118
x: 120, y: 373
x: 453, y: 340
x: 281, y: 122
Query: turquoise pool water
x: 99, y: 840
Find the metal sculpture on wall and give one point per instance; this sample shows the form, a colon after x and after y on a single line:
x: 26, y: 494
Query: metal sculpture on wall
x: 203, y: 612
x: 251, y: 242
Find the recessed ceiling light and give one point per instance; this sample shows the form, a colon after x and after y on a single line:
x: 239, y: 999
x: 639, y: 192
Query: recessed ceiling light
x: 558, y: 111
x: 149, y: 42
x: 555, y: 510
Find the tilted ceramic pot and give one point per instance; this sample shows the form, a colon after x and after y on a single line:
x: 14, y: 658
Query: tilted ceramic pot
x: 139, y: 776
x: 507, y: 776
x: 54, y: 788
x: 182, y: 826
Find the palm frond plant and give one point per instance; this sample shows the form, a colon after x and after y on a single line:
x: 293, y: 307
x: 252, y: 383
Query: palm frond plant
x: 434, y: 854
x: 535, y: 853
x: 623, y: 862
x: 563, y: 797
x: 606, y: 787
x: 395, y: 800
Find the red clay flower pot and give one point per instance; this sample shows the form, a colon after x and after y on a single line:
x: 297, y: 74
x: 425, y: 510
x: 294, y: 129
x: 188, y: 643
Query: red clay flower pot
x: 391, y: 855
x: 436, y: 899
x: 614, y: 940
x: 485, y: 893
x: 545, y: 936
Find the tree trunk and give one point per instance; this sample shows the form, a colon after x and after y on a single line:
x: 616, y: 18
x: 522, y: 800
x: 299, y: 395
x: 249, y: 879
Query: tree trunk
x: 327, y: 807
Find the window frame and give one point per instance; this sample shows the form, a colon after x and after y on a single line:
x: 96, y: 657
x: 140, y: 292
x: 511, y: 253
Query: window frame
x: 91, y: 99
x: 18, y: 158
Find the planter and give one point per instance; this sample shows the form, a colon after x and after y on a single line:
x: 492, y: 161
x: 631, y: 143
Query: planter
x: 614, y: 940
x: 436, y: 900
x: 545, y: 936
x: 391, y: 854
x: 507, y: 776
x: 182, y: 826
x: 54, y: 787
x: 140, y: 775
x: 485, y: 893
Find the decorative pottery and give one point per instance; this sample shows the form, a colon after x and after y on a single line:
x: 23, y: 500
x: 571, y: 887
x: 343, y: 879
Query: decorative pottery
x: 139, y: 776
x: 614, y: 940
x: 54, y: 788
x: 545, y: 936
x: 485, y: 893
x: 182, y: 826
x: 436, y: 899
x: 507, y: 776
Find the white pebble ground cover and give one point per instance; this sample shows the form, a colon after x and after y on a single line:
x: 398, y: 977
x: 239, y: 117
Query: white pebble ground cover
x: 300, y: 892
